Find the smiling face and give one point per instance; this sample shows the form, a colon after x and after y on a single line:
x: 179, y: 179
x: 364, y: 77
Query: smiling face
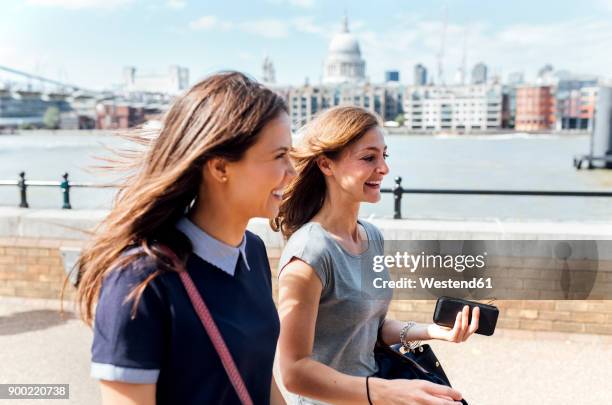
x: 359, y: 169
x: 256, y: 182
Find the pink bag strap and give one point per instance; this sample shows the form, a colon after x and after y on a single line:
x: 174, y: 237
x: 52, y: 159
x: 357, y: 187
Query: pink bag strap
x: 211, y: 329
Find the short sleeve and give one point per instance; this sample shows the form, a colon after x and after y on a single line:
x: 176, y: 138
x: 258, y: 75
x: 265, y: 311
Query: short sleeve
x: 376, y: 235
x: 128, y: 346
x: 312, y: 250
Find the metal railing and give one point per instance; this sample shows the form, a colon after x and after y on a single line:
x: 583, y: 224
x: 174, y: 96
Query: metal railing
x: 397, y: 190
x: 65, y: 185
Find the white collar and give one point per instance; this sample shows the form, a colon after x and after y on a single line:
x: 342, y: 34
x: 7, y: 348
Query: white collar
x: 212, y: 250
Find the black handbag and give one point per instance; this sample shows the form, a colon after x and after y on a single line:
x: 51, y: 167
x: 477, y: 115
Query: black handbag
x: 420, y: 364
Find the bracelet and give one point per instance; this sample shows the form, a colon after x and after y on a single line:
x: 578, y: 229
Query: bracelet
x: 410, y: 345
x: 368, y: 390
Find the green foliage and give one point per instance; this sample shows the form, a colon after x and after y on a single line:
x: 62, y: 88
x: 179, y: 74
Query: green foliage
x: 400, y: 119
x: 52, y: 118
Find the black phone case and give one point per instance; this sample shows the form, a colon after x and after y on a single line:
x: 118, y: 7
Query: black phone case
x: 447, y: 308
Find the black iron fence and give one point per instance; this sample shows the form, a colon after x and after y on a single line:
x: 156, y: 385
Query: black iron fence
x: 64, y: 185
x: 397, y: 190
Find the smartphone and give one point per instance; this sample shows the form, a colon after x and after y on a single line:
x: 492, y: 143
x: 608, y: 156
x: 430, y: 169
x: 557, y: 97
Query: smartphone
x: 447, y: 308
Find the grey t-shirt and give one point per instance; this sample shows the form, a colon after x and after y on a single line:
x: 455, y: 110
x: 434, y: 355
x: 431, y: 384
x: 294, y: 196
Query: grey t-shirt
x: 349, y: 315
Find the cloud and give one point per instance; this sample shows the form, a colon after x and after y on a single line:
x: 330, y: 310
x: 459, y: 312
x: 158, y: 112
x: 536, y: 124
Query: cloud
x: 580, y: 45
x: 605, y: 4
x: 176, y: 4
x: 267, y: 28
x: 307, y: 24
x: 80, y: 4
x: 204, y: 23
x: 209, y: 22
x: 296, y: 3
x: 243, y: 55
x: 271, y: 28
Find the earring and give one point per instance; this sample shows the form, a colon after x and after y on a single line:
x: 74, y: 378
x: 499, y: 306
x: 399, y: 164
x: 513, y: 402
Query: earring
x: 224, y: 178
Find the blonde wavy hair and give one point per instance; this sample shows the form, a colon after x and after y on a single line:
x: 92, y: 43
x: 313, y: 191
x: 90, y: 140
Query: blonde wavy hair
x: 326, y: 135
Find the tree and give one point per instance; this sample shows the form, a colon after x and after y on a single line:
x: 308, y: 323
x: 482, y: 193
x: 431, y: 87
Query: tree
x: 400, y: 119
x: 52, y: 117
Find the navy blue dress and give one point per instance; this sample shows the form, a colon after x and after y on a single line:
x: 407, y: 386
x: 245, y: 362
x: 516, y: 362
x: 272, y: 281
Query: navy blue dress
x: 166, y: 343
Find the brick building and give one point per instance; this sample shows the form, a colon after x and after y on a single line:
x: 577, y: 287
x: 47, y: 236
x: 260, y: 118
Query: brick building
x: 535, y: 108
x: 114, y: 116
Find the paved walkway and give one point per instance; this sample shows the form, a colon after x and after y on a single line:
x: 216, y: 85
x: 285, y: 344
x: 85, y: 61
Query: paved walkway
x: 512, y: 367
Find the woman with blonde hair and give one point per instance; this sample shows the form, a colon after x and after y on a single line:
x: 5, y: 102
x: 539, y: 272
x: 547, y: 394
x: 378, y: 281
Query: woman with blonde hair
x: 177, y: 235
x: 328, y: 328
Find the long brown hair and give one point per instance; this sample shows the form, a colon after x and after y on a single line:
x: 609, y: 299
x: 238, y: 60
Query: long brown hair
x: 220, y: 116
x: 327, y: 135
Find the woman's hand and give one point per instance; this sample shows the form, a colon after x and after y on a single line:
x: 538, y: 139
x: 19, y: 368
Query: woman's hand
x: 461, y: 331
x: 414, y: 392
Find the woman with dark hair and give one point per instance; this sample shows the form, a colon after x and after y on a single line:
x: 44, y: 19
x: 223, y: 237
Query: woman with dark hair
x: 329, y: 325
x: 220, y: 159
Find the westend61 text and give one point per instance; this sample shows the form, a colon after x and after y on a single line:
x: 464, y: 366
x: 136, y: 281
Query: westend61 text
x: 430, y: 282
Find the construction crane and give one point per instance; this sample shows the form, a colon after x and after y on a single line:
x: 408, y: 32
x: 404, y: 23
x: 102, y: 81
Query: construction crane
x: 464, y: 73
x: 442, y: 46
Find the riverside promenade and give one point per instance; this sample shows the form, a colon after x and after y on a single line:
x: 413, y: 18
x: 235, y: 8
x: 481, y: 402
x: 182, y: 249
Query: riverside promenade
x: 543, y: 352
x: 511, y: 367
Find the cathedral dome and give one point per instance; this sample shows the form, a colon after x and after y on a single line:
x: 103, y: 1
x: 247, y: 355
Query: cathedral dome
x: 345, y: 43
x: 344, y: 63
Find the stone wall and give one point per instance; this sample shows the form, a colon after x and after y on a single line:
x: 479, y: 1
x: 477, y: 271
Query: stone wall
x: 34, y: 267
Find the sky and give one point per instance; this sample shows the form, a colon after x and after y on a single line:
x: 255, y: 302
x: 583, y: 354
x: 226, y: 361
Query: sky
x: 88, y: 42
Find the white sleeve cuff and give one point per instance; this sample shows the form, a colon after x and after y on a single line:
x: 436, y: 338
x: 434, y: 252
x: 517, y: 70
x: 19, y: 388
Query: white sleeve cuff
x: 111, y: 372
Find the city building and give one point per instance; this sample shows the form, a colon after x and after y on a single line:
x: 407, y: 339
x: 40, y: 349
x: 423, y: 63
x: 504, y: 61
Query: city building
x: 535, y: 108
x: 454, y: 108
x: 306, y: 101
x: 26, y: 109
x: 546, y: 71
x: 510, y: 108
x: 173, y: 82
x: 344, y: 83
x: 268, y: 73
x: 480, y: 73
x: 344, y: 63
x: 459, y: 78
x: 420, y: 75
x: 570, y: 98
x: 117, y: 115
x: 392, y: 76
x: 84, y: 106
x: 576, y: 111
x: 555, y: 100
x: 516, y: 78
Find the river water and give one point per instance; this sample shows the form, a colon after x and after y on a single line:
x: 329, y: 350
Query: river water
x: 509, y: 162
